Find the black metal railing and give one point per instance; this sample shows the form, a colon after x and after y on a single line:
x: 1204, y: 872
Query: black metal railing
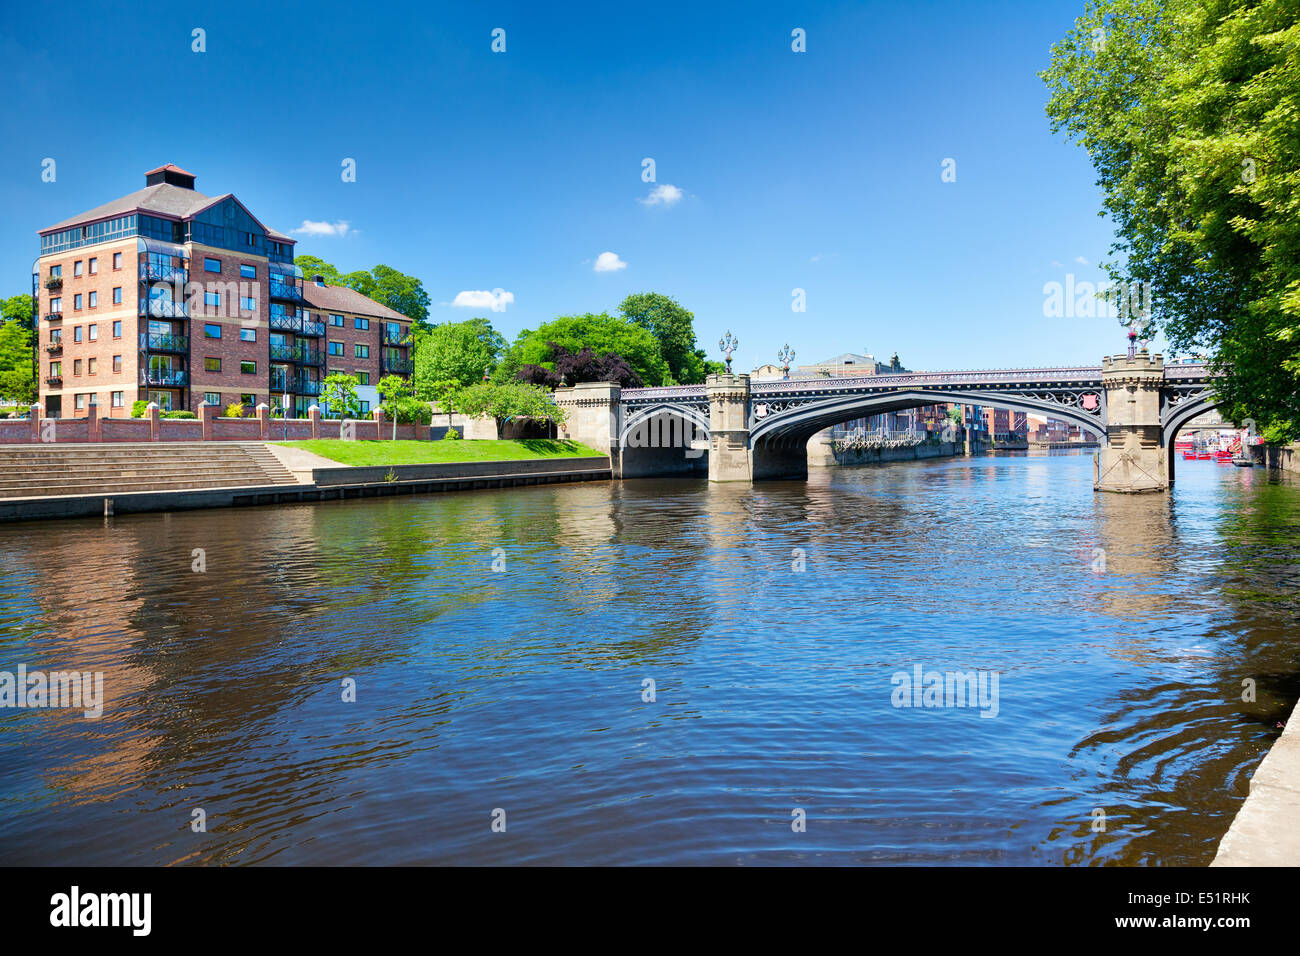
x: 152, y: 272
x: 398, y: 366
x: 54, y: 380
x: 298, y: 354
x: 54, y: 282
x: 164, y: 309
x: 167, y: 377
x: 54, y: 347
x: 396, y: 338
x: 53, y: 316
x: 163, y: 342
x: 285, y: 291
x: 304, y: 386
x: 295, y: 322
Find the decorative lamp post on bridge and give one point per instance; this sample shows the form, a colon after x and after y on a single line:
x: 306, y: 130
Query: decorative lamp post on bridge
x: 728, y: 344
x: 784, y: 357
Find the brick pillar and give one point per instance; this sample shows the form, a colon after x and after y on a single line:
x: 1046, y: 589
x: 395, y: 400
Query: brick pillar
x: 35, y: 414
x: 378, y: 416
x: 313, y: 414
x: 206, y: 414
x: 94, y: 428
x: 264, y: 421
x: 155, y: 421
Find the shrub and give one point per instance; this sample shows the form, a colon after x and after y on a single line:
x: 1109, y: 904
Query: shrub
x: 452, y: 435
x: 178, y: 414
x: 138, y: 407
x: 234, y: 410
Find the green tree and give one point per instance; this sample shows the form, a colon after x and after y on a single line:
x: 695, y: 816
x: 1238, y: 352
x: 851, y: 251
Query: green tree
x: 674, y: 328
x: 507, y: 400
x: 1188, y: 110
x: 339, y: 396
x: 400, y: 404
x: 455, y: 351
x: 17, y: 376
x: 600, y: 332
x: 386, y: 285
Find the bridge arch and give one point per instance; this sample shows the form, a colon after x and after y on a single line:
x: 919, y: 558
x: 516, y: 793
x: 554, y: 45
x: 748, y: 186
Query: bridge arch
x: 1174, y: 417
x: 802, y: 421
x: 664, y: 438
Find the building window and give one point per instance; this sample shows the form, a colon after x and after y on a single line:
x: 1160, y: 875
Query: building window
x: 248, y: 272
x: 117, y: 295
x: 212, y: 298
x: 94, y: 331
x: 248, y: 368
x: 248, y: 399
x: 248, y: 303
x: 248, y: 335
x: 211, y: 265
x: 76, y: 302
x: 336, y: 320
x: 211, y: 364
x: 361, y: 323
x: 362, y: 351
x: 76, y: 269
x: 365, y: 408
x: 81, y: 402
x: 94, y: 299
x: 90, y: 366
x: 363, y: 378
x: 211, y: 330
x: 76, y: 333
x: 117, y: 329
x: 56, y: 271
x: 117, y: 364
x: 76, y: 366
x: 56, y: 304
x: 212, y: 398
x: 56, y: 370
x: 56, y: 336
x: 94, y: 265
x: 118, y: 399
x: 117, y: 260
x: 335, y: 348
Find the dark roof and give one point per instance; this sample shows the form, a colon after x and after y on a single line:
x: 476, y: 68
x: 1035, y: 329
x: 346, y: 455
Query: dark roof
x: 175, y: 202
x: 342, y: 299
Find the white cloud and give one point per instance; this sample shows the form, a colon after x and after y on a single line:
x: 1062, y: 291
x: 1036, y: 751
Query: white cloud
x: 1081, y: 260
x: 665, y: 194
x: 609, y: 262
x: 1057, y: 265
x: 310, y: 227
x: 496, y: 300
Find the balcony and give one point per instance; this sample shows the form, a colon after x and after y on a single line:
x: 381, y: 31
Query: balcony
x: 162, y: 342
x: 294, y: 322
x: 397, y: 366
x: 54, y: 282
x: 53, y: 316
x: 304, y: 386
x: 54, y: 348
x: 165, y: 377
x: 55, y: 380
x: 165, y: 309
x: 172, y: 275
x: 285, y: 291
x: 298, y: 354
x: 396, y: 338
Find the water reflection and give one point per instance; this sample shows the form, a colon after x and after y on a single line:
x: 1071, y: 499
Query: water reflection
x: 770, y: 619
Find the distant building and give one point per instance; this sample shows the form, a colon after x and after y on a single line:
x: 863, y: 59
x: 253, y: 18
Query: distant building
x: 849, y: 364
x: 766, y: 373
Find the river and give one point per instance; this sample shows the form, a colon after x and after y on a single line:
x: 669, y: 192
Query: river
x: 502, y: 645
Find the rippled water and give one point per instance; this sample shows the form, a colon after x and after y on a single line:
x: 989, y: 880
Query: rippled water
x: 1121, y: 629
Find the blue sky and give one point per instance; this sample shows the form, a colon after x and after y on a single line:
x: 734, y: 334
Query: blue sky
x: 479, y: 170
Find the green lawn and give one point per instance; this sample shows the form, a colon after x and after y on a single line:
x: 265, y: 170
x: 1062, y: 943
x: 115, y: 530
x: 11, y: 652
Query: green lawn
x: 439, y: 452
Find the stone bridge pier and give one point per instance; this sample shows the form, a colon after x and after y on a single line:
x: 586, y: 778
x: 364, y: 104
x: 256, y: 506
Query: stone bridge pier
x: 1133, y: 457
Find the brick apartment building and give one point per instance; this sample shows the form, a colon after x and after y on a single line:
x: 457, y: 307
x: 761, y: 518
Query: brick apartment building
x: 174, y: 297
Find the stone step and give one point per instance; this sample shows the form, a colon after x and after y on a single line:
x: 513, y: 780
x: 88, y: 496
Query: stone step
x: 133, y: 487
x: 42, y: 481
